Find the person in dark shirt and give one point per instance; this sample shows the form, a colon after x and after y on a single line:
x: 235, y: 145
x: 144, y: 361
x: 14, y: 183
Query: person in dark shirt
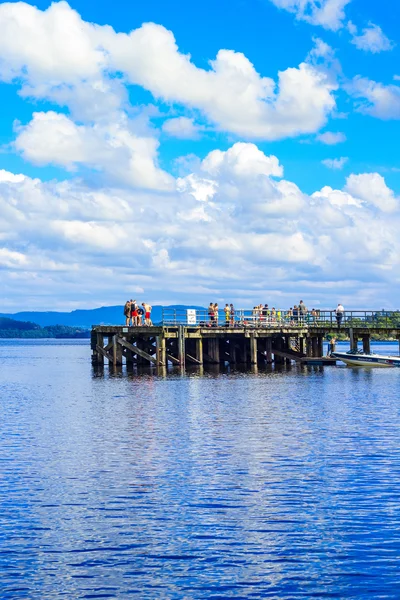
x: 295, y: 313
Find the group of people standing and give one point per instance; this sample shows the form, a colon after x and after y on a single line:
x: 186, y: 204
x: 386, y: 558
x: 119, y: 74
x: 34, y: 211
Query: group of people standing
x: 299, y: 313
x: 213, y: 314
x: 262, y: 313
x: 135, y: 315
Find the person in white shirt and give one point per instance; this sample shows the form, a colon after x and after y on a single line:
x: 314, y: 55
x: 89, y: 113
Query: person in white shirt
x: 339, y: 314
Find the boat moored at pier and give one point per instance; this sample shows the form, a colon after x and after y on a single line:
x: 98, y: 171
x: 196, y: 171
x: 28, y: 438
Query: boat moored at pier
x: 357, y: 358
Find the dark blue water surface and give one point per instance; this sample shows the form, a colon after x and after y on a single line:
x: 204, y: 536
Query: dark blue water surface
x: 279, y: 484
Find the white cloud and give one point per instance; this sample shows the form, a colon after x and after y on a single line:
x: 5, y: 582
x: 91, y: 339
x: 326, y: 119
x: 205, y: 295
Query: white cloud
x: 331, y: 138
x: 53, y: 138
x: 241, y: 160
x: 181, y: 127
x: 329, y: 14
x: 372, y: 39
x: 372, y: 188
x: 376, y: 99
x: 231, y: 94
x: 335, y: 163
x: 229, y: 227
x: 7, y: 176
x: 57, y: 55
x: 232, y: 227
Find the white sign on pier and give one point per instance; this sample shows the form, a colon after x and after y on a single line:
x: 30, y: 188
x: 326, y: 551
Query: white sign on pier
x: 191, y: 316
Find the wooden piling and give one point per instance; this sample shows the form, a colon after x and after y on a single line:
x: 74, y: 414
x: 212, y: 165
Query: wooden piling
x: 268, y: 346
x: 353, y: 339
x: 181, y: 345
x: 199, y: 350
x: 320, y: 346
x: 253, y: 349
x: 314, y: 346
x: 366, y: 340
x: 232, y: 351
x: 161, y: 351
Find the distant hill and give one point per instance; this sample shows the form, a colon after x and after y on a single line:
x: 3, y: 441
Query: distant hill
x: 12, y: 328
x: 106, y: 315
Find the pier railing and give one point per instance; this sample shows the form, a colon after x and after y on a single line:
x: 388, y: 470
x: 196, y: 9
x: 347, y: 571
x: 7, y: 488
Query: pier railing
x: 280, y: 318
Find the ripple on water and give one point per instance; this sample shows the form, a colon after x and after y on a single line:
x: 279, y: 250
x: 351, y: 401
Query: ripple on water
x: 240, y: 485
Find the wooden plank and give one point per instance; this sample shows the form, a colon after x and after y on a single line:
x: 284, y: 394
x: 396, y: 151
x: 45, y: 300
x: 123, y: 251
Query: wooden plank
x: 288, y: 355
x: 104, y: 353
x: 114, y: 349
x: 173, y: 359
x: 192, y: 359
x: 136, y: 350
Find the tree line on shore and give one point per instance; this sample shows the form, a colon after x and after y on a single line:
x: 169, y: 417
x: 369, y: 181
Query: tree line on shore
x: 10, y: 328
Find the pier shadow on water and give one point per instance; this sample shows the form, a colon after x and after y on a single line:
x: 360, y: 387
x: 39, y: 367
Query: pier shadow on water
x: 130, y: 371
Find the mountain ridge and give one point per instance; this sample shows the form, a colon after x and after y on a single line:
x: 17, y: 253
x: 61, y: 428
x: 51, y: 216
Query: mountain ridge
x: 104, y: 315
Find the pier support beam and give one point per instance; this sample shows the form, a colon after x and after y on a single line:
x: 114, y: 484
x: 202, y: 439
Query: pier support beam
x: 314, y: 347
x: 161, y: 352
x: 232, y: 351
x: 213, y: 350
x: 366, y: 339
x: 181, y: 346
x: 268, y: 346
x: 99, y: 343
x: 243, y: 350
x: 253, y: 350
x: 353, y: 339
x: 278, y: 344
x: 320, y: 346
x: 199, y: 350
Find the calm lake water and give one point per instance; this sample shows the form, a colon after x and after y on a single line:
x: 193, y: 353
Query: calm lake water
x: 277, y: 484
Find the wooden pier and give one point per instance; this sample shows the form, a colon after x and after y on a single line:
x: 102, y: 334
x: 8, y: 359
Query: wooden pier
x: 183, y: 345
x: 240, y: 343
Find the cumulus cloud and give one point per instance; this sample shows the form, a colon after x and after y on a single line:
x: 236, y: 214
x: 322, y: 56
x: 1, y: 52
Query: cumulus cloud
x: 251, y: 231
x: 331, y: 138
x: 372, y: 39
x: 376, y: 99
x: 329, y: 14
x: 231, y: 227
x: 57, y: 55
x: 372, y: 189
x: 54, y: 138
x: 241, y: 160
x: 335, y: 163
x: 181, y: 127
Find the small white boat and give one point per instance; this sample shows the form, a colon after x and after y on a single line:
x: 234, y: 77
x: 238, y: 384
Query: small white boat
x: 357, y: 358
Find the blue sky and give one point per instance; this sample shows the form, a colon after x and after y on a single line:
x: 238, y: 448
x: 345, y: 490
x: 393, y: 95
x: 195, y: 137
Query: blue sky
x: 241, y: 151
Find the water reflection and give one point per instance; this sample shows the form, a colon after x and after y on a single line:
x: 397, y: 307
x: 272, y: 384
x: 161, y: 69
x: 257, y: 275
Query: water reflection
x: 204, y: 483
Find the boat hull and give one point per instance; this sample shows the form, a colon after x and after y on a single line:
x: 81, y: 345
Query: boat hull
x: 361, y: 360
